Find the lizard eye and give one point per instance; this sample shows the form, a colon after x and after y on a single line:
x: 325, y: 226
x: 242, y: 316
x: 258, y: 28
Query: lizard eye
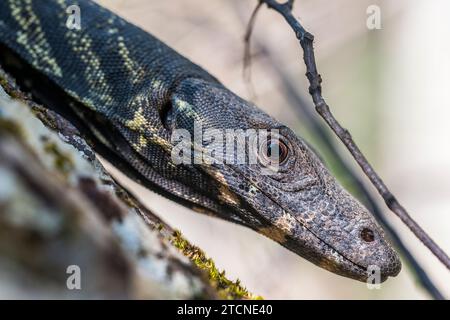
x: 274, y: 151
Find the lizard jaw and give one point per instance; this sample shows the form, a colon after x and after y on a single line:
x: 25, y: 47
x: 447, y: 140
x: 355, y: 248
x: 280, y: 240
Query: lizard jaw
x: 292, y: 229
x: 331, y: 259
x: 322, y: 254
x: 296, y: 236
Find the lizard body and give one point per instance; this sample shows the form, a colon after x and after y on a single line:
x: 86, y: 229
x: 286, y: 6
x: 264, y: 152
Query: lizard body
x: 130, y: 92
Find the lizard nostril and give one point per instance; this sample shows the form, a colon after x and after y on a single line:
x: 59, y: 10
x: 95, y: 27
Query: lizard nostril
x: 367, y: 235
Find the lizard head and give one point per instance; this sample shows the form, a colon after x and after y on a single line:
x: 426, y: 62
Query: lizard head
x: 307, y: 210
x: 297, y: 203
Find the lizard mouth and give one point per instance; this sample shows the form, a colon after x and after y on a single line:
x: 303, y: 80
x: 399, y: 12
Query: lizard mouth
x: 362, y: 276
x: 360, y: 268
x: 357, y: 271
x: 353, y: 269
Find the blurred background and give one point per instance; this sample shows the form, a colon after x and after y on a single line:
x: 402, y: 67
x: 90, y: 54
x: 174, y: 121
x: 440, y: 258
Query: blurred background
x: 388, y: 86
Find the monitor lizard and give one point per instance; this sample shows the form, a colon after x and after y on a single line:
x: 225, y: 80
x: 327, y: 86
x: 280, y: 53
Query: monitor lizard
x: 128, y: 92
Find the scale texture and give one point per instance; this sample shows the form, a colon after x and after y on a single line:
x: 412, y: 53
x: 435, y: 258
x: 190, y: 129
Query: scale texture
x: 130, y: 92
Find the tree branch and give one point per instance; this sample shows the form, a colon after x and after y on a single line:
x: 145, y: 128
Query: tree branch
x: 302, y: 108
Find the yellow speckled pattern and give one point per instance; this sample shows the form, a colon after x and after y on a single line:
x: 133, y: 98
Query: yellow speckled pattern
x: 31, y: 36
x: 127, y: 91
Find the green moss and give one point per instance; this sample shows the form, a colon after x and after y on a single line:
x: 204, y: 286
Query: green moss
x: 43, y: 116
x: 8, y: 87
x: 226, y: 288
x: 62, y: 162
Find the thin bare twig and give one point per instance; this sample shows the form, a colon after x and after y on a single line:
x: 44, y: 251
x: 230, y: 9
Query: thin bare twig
x: 247, y: 37
x: 246, y: 70
x: 302, y: 108
x: 315, y: 89
x: 304, y: 111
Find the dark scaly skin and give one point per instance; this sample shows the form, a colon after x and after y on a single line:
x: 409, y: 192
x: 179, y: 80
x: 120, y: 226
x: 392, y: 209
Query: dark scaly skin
x: 128, y: 91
